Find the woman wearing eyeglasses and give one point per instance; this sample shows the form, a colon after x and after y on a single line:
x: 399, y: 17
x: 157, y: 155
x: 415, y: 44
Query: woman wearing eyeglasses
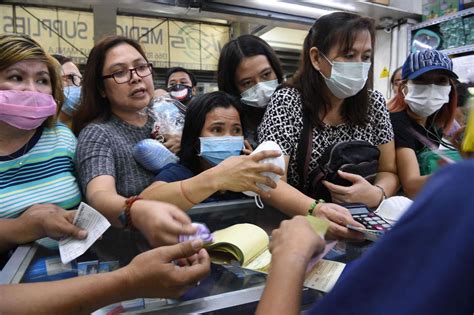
x: 112, y: 118
x: 72, y: 81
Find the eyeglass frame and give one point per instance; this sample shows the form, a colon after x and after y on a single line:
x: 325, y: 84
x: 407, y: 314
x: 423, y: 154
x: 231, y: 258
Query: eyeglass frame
x: 72, y: 77
x: 112, y: 75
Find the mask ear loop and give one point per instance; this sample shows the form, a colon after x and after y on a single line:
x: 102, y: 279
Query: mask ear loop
x: 435, y: 133
x: 258, y: 202
x: 332, y: 65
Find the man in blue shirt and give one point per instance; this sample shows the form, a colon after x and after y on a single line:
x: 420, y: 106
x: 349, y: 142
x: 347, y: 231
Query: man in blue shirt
x: 422, y: 266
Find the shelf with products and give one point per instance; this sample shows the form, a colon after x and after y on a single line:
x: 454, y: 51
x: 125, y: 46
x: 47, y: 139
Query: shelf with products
x: 453, y: 34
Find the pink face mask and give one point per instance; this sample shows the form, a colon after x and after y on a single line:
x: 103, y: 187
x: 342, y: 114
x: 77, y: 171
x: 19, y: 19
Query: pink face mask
x: 25, y: 109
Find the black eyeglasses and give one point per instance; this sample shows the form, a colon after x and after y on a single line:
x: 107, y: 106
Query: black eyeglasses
x: 74, y: 78
x: 124, y: 76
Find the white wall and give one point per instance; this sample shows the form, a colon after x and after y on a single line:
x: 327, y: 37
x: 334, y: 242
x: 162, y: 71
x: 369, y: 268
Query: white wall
x: 390, y: 51
x: 382, y: 58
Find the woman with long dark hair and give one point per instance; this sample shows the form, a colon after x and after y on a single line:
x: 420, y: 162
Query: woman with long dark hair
x: 249, y: 70
x: 211, y: 165
x: 331, y: 89
x: 111, y: 119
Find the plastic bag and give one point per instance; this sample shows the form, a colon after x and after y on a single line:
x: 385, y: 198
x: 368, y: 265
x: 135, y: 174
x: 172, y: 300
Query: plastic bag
x: 152, y: 155
x: 169, y: 116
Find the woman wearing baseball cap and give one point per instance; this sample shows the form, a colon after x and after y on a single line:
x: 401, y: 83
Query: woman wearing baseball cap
x: 422, y: 111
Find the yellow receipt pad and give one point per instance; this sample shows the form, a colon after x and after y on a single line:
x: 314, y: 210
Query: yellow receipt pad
x: 248, y: 244
x: 244, y: 242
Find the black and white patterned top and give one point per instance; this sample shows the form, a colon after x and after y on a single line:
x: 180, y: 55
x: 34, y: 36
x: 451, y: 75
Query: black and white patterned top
x: 283, y: 124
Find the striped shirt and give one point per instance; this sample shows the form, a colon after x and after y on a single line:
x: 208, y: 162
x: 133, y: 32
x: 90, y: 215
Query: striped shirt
x: 43, y: 174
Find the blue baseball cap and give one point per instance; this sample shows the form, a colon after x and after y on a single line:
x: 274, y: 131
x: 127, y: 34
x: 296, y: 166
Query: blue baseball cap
x: 420, y: 62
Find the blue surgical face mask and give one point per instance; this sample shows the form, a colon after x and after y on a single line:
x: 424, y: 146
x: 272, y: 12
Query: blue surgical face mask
x: 259, y: 94
x: 347, y: 78
x: 72, y: 95
x: 216, y: 149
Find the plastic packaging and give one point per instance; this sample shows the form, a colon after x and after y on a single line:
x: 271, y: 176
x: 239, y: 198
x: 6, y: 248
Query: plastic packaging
x: 203, y: 233
x: 153, y: 155
x: 278, y: 161
x: 168, y: 114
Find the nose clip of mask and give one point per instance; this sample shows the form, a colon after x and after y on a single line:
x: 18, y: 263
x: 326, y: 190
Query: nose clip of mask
x: 278, y: 161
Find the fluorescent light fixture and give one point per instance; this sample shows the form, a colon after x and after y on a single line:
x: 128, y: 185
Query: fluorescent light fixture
x: 331, y: 4
x: 292, y: 8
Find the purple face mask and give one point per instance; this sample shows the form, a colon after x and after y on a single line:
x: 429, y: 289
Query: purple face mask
x: 202, y: 233
x: 25, y: 109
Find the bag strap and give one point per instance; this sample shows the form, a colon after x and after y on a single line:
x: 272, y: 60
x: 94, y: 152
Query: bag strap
x: 305, y: 145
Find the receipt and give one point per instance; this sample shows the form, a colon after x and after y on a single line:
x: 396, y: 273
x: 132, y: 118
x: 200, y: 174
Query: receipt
x: 89, y: 219
x: 324, y: 275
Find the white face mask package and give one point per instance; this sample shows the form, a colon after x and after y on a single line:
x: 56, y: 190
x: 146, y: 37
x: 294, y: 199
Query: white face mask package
x: 426, y: 99
x: 392, y: 209
x: 278, y: 161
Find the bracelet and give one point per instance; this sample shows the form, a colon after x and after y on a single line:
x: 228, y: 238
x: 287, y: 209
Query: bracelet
x: 185, y: 195
x: 384, y: 195
x: 314, y: 204
x: 125, y: 216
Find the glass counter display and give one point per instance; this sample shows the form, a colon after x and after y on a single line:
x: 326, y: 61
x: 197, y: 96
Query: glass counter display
x: 228, y: 289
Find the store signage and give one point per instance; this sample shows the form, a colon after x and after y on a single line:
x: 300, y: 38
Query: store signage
x: 75, y: 28
x: 167, y: 43
x: 171, y: 43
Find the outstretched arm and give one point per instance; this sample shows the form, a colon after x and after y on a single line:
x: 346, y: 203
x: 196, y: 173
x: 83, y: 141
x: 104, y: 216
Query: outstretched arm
x: 151, y: 274
x: 291, y: 201
x: 237, y: 173
x: 292, y: 246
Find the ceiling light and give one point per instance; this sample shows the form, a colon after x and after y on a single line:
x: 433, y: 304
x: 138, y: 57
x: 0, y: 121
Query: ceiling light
x: 331, y: 4
x: 295, y: 9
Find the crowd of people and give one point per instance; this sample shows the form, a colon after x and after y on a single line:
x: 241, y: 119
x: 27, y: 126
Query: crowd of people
x: 67, y: 137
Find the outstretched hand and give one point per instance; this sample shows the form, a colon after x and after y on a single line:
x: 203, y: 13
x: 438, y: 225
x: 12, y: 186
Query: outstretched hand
x: 244, y: 172
x: 154, y: 273
x: 339, y: 217
x: 160, y: 222
x: 295, y: 237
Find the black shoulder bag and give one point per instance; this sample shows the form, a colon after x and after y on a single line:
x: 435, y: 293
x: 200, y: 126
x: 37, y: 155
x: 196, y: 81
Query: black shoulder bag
x: 356, y: 156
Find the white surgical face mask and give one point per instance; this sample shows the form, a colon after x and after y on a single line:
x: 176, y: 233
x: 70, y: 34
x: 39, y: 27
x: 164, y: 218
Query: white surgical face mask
x: 259, y: 94
x: 347, y: 78
x: 425, y: 99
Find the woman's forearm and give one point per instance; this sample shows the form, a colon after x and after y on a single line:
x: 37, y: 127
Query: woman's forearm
x: 80, y: 295
x: 14, y: 232
x: 109, y: 204
x: 184, y: 194
x: 414, y: 185
x: 389, y: 182
x: 282, y: 294
x: 289, y: 200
